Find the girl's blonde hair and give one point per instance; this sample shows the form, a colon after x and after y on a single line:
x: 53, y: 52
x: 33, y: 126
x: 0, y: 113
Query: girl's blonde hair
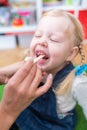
x: 77, y: 37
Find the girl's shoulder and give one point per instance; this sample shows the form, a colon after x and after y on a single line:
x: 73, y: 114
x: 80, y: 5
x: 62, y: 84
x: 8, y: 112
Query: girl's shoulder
x: 79, y: 84
x: 80, y: 79
x: 79, y: 87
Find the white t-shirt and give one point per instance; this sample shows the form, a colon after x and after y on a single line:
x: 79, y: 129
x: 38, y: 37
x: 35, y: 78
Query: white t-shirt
x: 78, y: 94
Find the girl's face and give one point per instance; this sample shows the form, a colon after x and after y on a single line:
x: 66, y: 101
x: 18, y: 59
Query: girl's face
x: 52, y: 40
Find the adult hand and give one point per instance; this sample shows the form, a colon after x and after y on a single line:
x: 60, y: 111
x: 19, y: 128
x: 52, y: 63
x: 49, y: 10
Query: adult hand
x: 21, y: 90
x: 7, y: 72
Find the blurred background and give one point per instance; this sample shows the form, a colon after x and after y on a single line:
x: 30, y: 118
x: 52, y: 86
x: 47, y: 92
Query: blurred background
x: 19, y: 18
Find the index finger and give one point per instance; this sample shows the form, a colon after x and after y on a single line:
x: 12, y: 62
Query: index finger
x: 22, y: 72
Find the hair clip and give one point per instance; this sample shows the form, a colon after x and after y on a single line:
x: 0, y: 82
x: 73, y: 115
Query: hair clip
x: 81, y: 69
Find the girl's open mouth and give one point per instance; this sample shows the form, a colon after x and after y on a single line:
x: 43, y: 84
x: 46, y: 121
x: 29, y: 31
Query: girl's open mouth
x: 44, y: 55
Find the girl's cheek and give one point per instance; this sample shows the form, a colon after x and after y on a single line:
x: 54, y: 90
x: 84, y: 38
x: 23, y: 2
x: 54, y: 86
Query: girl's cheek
x: 32, y: 44
x: 31, y: 50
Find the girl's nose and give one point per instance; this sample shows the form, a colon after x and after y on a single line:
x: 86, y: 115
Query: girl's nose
x: 43, y: 43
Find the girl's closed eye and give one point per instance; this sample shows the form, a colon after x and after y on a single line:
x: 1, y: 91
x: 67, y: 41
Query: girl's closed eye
x: 54, y: 39
x: 38, y: 34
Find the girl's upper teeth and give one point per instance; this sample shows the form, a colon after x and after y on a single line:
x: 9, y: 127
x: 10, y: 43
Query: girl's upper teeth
x: 40, y: 53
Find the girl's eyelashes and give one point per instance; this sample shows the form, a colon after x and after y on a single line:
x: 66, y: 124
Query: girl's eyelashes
x: 38, y: 34
x: 51, y: 38
x: 54, y: 40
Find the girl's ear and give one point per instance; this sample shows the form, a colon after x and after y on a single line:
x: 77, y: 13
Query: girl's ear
x: 73, y: 53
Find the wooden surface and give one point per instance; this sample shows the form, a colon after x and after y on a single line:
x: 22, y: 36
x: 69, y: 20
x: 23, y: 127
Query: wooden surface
x: 13, y: 55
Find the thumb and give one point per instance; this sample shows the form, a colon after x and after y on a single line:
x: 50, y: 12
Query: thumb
x: 43, y: 89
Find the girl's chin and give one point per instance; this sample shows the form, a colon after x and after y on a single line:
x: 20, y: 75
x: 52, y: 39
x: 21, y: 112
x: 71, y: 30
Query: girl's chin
x: 42, y: 66
x: 42, y: 62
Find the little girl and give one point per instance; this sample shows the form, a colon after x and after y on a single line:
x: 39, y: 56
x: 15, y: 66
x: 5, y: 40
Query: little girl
x: 59, y: 37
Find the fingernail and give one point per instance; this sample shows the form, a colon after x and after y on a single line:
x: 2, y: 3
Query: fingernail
x: 6, y: 80
x: 50, y: 76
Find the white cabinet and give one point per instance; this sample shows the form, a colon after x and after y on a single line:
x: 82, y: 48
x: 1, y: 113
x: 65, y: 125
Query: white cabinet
x: 38, y: 8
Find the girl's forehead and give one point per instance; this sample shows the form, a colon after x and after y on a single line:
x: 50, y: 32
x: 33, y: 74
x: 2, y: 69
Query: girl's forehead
x: 54, y: 23
x: 52, y: 19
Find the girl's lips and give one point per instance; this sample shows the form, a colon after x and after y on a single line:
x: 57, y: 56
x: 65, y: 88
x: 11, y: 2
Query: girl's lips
x: 42, y: 61
x: 38, y: 58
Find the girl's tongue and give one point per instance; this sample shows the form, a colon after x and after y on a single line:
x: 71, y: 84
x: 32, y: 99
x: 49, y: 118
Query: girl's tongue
x: 43, y: 55
x: 42, y: 61
x: 38, y: 53
x: 38, y: 58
